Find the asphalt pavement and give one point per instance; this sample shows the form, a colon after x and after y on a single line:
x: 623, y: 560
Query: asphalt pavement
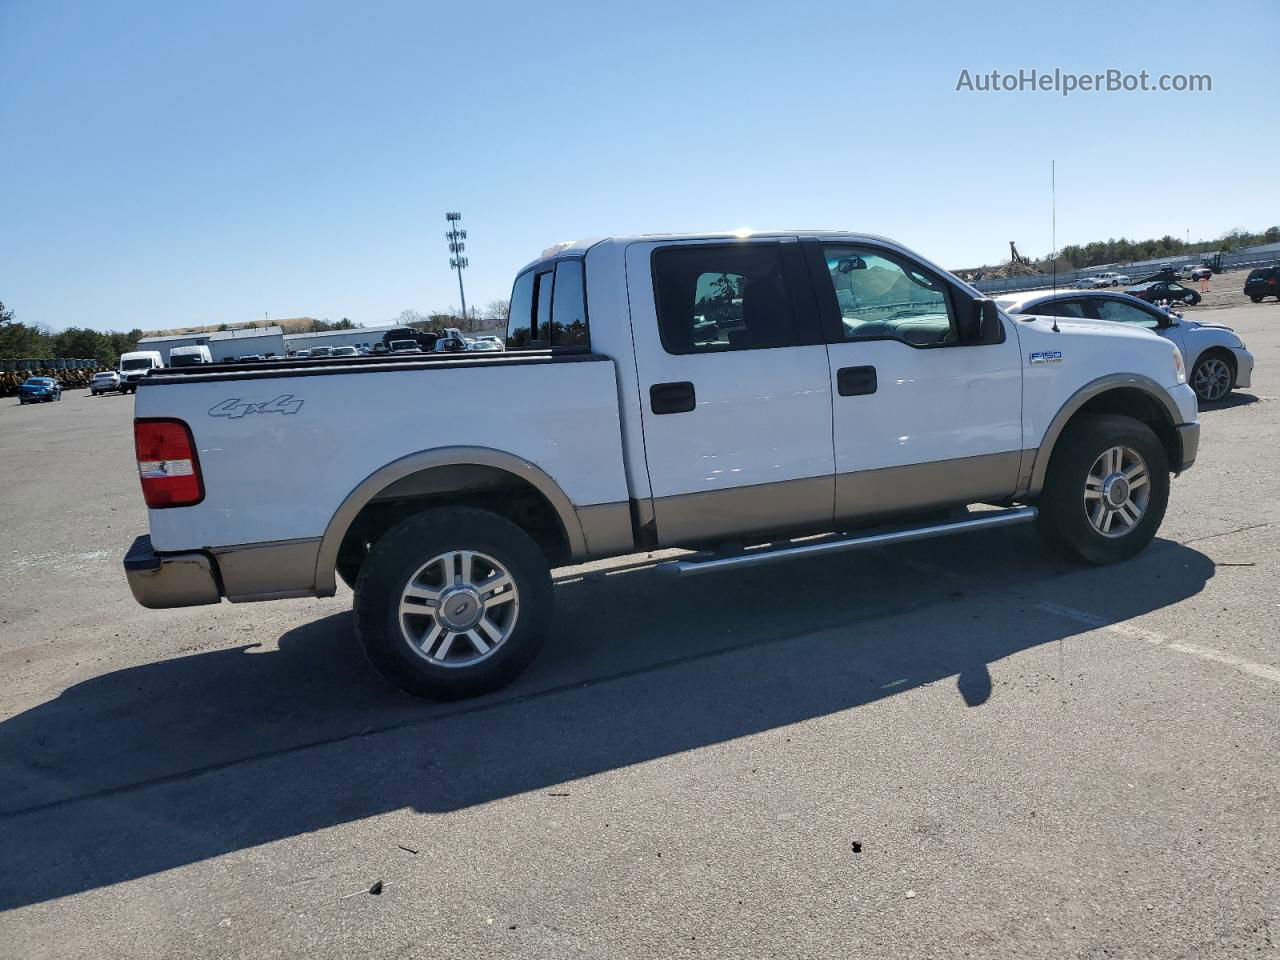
x: 965, y: 747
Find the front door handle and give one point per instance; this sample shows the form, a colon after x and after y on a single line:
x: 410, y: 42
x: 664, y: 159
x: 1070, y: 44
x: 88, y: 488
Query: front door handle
x: 672, y: 397
x: 856, y: 381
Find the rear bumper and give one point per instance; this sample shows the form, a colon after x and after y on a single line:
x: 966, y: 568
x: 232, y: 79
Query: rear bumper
x: 243, y: 573
x: 1189, y: 445
x: 166, y: 580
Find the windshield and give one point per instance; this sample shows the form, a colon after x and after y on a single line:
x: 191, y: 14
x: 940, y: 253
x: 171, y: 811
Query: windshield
x: 137, y: 363
x: 39, y: 382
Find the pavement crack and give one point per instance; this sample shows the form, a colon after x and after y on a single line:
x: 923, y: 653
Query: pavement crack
x: 1226, y: 533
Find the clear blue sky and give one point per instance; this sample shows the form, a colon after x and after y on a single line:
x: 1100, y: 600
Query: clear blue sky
x: 167, y: 164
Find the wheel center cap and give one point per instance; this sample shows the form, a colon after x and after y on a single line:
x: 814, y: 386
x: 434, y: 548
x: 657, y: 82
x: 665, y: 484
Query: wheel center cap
x: 460, y: 608
x: 1115, y: 489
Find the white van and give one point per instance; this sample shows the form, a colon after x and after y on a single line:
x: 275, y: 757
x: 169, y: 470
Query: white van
x: 189, y: 356
x: 135, y: 365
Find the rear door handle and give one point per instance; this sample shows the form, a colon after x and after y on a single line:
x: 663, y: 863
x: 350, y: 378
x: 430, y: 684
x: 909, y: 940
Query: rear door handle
x: 672, y: 397
x: 855, y: 381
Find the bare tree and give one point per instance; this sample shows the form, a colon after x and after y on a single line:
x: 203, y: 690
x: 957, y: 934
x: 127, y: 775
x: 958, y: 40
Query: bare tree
x: 497, y: 310
x: 409, y: 318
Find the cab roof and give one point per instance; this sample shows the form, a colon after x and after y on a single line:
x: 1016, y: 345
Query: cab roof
x: 571, y: 248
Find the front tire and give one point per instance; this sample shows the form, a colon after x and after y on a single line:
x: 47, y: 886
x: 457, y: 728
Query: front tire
x: 1259, y: 299
x: 453, y: 602
x: 1212, y: 377
x: 1106, y: 491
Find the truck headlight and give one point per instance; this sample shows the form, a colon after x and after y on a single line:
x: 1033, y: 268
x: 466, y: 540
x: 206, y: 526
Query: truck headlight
x: 1179, y: 368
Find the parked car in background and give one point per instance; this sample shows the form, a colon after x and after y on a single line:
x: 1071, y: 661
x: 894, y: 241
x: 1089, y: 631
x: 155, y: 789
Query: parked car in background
x: 104, y: 381
x: 189, y: 356
x: 843, y: 382
x: 404, y: 346
x: 1263, y: 282
x: 1109, y: 278
x: 1213, y: 352
x: 249, y: 358
x: 1201, y: 272
x: 301, y: 354
x: 321, y: 352
x: 1153, y: 291
x: 495, y: 342
x: 39, y: 389
x: 135, y: 365
x: 344, y: 352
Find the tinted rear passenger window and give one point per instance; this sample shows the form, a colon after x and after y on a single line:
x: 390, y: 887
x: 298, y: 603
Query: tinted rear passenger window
x: 569, y: 306
x: 713, y: 298
x: 520, y: 320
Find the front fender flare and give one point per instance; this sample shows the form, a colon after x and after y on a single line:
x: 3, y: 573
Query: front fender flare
x: 1095, y: 388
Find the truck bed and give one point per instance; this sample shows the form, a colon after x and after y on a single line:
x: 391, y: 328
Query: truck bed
x: 281, y: 444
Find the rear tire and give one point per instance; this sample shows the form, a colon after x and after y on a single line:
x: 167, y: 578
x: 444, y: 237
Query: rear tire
x: 1106, y: 491
x: 453, y: 602
x: 1259, y: 299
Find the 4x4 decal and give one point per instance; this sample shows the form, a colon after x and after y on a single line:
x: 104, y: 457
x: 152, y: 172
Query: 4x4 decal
x: 236, y: 408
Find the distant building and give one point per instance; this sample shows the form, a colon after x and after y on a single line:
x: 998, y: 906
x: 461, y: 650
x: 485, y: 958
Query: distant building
x: 223, y: 344
x: 362, y: 337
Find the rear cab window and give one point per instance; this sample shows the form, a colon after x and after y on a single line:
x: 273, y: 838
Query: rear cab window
x: 712, y: 298
x: 549, y: 308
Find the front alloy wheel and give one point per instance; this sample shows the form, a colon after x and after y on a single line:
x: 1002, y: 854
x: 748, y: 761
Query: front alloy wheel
x: 1117, y: 491
x: 1106, y: 489
x: 1211, y: 379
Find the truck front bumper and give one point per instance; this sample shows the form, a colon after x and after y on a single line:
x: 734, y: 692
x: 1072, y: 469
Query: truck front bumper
x: 161, y: 580
x: 1189, y: 442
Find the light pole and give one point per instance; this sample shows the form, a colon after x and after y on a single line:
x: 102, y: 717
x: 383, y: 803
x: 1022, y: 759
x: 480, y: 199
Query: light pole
x: 457, y: 261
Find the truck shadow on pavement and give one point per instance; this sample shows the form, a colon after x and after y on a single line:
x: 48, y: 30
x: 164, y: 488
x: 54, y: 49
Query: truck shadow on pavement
x: 166, y: 764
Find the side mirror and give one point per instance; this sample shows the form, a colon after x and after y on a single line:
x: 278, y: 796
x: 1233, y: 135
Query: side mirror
x: 982, y: 325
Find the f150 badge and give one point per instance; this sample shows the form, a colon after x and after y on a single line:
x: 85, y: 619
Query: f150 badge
x: 1049, y: 356
x: 236, y: 408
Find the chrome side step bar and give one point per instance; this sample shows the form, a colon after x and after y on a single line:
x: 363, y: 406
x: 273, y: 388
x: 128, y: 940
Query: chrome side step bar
x: 712, y: 562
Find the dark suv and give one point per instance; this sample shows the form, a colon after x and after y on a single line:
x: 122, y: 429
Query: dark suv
x: 1263, y: 282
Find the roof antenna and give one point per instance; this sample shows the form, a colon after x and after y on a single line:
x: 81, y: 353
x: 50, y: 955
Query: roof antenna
x: 1053, y: 204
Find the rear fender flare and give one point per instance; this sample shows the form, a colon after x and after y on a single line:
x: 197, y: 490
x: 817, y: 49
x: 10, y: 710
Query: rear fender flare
x: 380, y: 479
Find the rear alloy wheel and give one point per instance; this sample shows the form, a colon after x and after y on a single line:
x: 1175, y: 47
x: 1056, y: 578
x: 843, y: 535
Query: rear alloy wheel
x: 453, y: 602
x: 1106, y: 490
x: 1211, y: 378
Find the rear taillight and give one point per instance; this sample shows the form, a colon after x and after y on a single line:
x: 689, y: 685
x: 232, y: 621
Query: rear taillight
x: 167, y: 463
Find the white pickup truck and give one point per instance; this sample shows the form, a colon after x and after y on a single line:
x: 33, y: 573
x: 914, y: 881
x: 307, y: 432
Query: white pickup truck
x: 792, y: 394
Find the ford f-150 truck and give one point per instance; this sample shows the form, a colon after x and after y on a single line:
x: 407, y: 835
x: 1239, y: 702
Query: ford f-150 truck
x: 791, y: 394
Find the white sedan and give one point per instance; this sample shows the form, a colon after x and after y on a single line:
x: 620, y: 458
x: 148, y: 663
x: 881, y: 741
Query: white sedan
x: 1215, y: 357
x: 104, y: 381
